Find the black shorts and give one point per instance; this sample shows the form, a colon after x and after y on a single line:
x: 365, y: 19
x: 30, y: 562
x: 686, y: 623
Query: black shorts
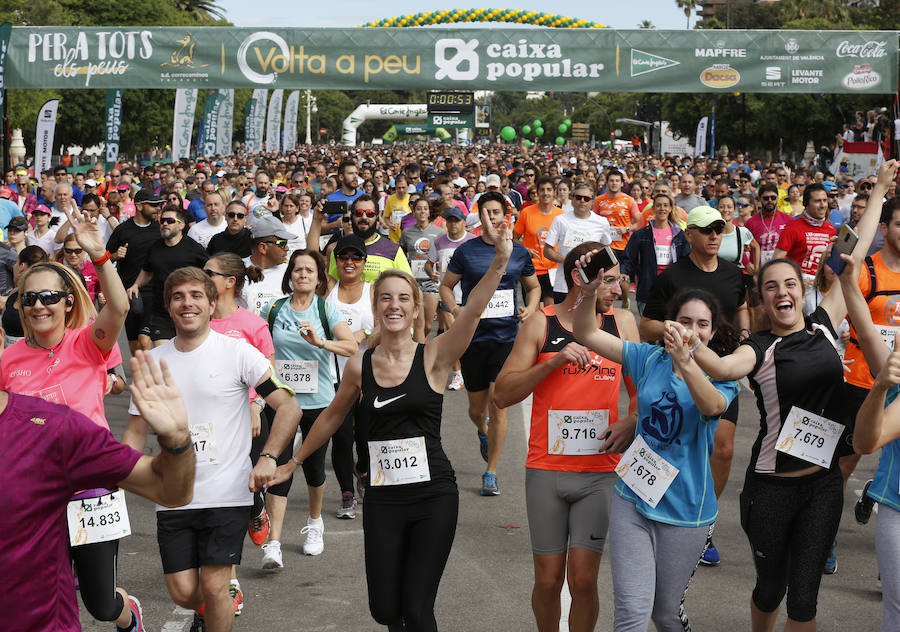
x: 191, y: 538
x: 137, y: 321
x: 559, y: 297
x: 481, y: 363
x: 731, y: 413
x: 546, y: 285
x: 854, y: 396
x: 620, y: 254
x: 161, y: 328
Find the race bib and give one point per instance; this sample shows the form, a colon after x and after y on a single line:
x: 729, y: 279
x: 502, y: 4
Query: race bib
x: 645, y: 472
x: 398, y: 462
x: 887, y: 334
x: 352, y: 316
x: 93, y: 520
x: 575, y: 432
x: 301, y: 375
x: 576, y: 238
x: 502, y: 304
x: 766, y: 255
x: 397, y: 217
x: 418, y: 268
x: 204, y: 441
x: 808, y: 436
x: 663, y: 255
x: 259, y: 299
x: 445, y: 257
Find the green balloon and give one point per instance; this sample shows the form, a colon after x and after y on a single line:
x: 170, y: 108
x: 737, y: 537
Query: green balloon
x: 507, y: 133
x: 526, y: 129
x: 539, y: 131
x: 526, y: 143
x: 568, y: 122
x: 560, y: 140
x: 563, y: 128
x: 537, y: 123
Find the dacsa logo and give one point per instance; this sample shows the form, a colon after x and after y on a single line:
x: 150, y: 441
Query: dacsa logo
x: 720, y: 76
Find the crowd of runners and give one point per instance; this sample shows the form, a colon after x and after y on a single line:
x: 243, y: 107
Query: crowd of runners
x: 276, y: 304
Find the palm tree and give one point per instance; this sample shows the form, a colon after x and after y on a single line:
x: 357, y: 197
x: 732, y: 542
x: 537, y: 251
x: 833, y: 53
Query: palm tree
x: 687, y: 6
x: 202, y: 9
x: 646, y: 24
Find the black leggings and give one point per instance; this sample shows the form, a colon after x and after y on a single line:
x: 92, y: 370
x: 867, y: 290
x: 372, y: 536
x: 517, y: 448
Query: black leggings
x: 791, y: 524
x: 313, y: 467
x: 407, y: 547
x: 342, y: 453
x: 96, y: 568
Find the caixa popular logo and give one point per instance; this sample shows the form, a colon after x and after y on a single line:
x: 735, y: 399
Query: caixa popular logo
x: 459, y: 60
x: 862, y: 78
x: 720, y: 76
x: 866, y: 50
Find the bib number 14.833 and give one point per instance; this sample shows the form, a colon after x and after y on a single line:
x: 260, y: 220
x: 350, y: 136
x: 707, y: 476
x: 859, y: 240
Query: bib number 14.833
x: 93, y: 520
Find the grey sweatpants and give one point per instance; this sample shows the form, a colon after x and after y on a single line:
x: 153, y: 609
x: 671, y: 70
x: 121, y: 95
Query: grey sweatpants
x: 887, y: 548
x: 652, y: 565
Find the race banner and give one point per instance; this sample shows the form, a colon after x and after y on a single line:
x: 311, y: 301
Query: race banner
x: 857, y: 160
x: 273, y: 122
x: 452, y: 58
x: 183, y: 123
x: 113, y: 125
x: 43, y: 135
x: 226, y: 122
x: 700, y: 141
x: 5, y: 32
x: 291, y: 107
x: 254, y: 119
x: 209, y: 127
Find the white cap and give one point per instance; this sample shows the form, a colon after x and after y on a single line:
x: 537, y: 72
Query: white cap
x: 493, y: 180
x: 90, y: 182
x: 573, y: 160
x: 460, y: 182
x: 220, y: 173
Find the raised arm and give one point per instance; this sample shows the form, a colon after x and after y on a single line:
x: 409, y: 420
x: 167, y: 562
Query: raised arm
x: 876, y: 425
x: 585, y: 319
x: 873, y: 348
x: 731, y: 367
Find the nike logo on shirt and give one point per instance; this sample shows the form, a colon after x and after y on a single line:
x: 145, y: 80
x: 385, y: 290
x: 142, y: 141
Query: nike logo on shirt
x: 557, y: 341
x: 378, y: 404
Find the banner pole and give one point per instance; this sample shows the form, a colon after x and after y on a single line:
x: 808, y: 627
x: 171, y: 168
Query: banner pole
x: 7, y: 160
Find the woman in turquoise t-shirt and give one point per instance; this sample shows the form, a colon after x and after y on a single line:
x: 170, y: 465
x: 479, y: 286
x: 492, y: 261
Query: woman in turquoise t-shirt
x: 665, y: 505
x: 306, y: 332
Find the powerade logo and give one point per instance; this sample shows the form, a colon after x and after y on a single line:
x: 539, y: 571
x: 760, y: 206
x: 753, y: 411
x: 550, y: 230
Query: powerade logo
x: 862, y: 78
x: 459, y: 60
x: 720, y: 76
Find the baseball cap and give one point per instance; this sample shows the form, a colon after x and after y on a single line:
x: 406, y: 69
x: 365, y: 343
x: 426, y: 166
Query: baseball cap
x: 350, y: 242
x: 460, y: 182
x: 454, y: 212
x: 146, y: 196
x: 703, y: 216
x: 220, y: 173
x: 829, y: 186
x: 18, y: 223
x: 269, y: 226
x: 492, y: 180
x: 90, y: 182
x: 6, y: 192
x: 41, y: 208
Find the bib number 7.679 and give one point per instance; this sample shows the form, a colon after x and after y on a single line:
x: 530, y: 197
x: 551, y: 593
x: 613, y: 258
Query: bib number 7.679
x: 808, y: 436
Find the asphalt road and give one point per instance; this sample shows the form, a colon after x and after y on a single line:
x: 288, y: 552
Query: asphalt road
x: 487, y: 583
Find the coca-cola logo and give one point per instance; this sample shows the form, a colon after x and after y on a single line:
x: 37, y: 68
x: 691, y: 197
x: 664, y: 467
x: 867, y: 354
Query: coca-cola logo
x: 868, y: 50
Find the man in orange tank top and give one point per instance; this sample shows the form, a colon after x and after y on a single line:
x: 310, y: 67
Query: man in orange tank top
x: 573, y: 443
x: 621, y: 211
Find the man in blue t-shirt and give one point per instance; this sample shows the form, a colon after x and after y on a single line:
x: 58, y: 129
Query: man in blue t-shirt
x: 496, y: 333
x: 348, y: 174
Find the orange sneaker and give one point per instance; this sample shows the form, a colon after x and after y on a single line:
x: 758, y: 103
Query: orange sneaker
x: 259, y: 528
x: 237, y: 597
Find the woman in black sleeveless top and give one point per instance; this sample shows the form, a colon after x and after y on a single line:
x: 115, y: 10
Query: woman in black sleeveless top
x: 411, y: 499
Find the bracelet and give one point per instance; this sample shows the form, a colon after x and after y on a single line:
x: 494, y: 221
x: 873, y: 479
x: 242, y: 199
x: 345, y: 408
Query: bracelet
x: 269, y: 455
x: 694, y: 347
x: 295, y: 461
x: 179, y: 450
x: 743, y: 329
x: 101, y: 260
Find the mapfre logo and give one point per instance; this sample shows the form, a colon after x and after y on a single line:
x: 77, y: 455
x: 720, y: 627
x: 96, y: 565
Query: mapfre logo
x: 456, y: 59
x: 867, y: 50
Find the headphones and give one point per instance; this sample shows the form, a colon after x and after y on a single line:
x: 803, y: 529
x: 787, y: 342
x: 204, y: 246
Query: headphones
x: 70, y: 300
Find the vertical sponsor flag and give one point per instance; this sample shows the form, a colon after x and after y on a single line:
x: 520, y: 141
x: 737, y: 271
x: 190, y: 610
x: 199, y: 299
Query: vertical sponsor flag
x: 5, y: 32
x: 226, y: 122
x: 700, y: 142
x: 712, y: 131
x: 291, y: 108
x: 209, y: 128
x: 183, y: 125
x: 113, y: 125
x: 43, y: 135
x: 254, y: 119
x: 273, y: 122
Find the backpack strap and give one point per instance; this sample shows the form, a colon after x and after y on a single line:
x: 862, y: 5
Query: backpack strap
x: 740, y: 249
x: 323, y: 317
x: 272, y: 314
x: 872, y: 283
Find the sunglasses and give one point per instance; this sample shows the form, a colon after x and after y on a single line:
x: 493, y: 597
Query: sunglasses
x: 212, y: 273
x: 865, y: 185
x: 582, y: 198
x: 73, y: 251
x: 39, y: 213
x: 345, y: 218
x: 360, y: 213
x: 529, y: 175
x: 168, y: 220
x: 744, y: 204
x: 232, y: 215
x: 345, y: 256
x: 716, y: 228
x: 768, y: 198
x: 46, y: 297
x: 281, y: 243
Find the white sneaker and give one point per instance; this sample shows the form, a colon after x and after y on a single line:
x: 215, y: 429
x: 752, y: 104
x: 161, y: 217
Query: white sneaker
x: 272, y: 555
x: 456, y: 381
x: 314, y: 530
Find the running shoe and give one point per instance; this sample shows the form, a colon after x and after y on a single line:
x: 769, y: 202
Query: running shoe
x: 198, y: 624
x: 314, y: 531
x: 863, y: 509
x: 710, y: 555
x: 830, y: 563
x: 237, y: 596
x: 347, y: 509
x: 137, y: 616
x: 272, y: 555
x: 489, y: 485
x: 259, y: 528
x: 456, y: 381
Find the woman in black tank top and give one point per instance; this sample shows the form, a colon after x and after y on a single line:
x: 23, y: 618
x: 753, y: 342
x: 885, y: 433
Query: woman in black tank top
x: 411, y: 499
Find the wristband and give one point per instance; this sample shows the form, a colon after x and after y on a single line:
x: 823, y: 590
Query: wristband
x: 269, y: 455
x: 295, y: 461
x: 743, y: 329
x: 694, y: 347
x: 102, y: 259
x: 179, y: 450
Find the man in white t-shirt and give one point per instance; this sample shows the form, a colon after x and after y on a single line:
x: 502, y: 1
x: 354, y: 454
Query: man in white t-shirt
x: 269, y: 251
x: 204, y: 230
x: 573, y: 228
x: 199, y: 542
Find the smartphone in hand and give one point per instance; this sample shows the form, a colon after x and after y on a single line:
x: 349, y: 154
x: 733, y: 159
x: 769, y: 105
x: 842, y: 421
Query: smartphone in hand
x: 845, y: 243
x: 604, y: 260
